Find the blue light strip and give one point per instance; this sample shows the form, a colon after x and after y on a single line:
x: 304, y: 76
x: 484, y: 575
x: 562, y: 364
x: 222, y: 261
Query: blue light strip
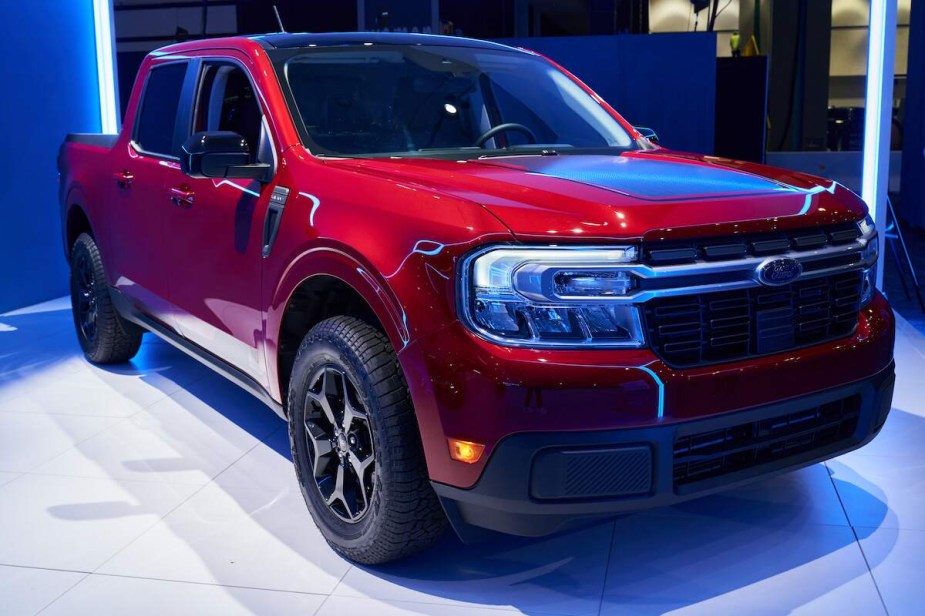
x: 102, y: 21
x: 881, y: 52
x: 661, y: 389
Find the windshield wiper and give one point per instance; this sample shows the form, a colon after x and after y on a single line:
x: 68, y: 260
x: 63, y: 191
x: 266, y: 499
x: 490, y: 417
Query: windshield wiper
x: 537, y: 149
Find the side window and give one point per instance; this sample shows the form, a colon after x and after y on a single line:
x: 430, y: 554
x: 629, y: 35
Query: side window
x: 227, y: 102
x: 158, y: 116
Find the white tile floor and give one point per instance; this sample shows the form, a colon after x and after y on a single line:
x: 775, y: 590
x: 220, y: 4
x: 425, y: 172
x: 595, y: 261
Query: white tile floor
x: 160, y: 488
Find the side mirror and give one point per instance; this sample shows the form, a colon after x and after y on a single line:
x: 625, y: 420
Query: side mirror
x: 648, y: 133
x: 220, y: 154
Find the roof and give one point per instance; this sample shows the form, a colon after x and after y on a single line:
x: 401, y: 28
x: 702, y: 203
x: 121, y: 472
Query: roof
x: 333, y: 39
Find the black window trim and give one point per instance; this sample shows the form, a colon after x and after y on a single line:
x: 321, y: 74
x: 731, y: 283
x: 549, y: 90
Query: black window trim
x: 141, y: 103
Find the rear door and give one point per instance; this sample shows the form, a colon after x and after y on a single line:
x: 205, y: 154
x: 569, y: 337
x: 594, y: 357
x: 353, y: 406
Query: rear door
x: 136, y: 206
x: 215, y: 229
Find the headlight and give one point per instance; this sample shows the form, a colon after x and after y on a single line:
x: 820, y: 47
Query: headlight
x: 544, y: 297
x: 869, y: 255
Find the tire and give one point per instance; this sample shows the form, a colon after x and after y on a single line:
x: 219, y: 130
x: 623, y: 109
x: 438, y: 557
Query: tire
x: 386, y: 508
x: 104, y: 336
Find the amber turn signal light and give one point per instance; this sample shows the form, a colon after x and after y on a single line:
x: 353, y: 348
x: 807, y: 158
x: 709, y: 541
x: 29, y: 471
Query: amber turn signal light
x: 465, y: 451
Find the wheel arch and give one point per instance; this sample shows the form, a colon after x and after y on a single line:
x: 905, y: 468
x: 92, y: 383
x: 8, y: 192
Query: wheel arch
x: 76, y: 223
x: 76, y: 219
x: 320, y: 284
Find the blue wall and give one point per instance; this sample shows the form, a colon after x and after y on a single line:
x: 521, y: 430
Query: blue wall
x: 663, y: 81
x: 48, y: 87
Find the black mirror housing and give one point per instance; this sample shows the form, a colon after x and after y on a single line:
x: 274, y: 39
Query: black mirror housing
x: 220, y: 154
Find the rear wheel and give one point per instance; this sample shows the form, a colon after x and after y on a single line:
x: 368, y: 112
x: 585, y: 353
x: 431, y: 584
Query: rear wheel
x: 104, y: 336
x: 356, y: 447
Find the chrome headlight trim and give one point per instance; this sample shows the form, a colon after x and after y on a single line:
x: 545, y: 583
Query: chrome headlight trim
x: 869, y: 255
x: 518, y: 277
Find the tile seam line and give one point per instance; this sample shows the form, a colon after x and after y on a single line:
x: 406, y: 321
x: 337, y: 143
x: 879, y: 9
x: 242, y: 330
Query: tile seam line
x: 46, y: 414
x: 117, y: 421
x: 173, y: 509
x: 57, y: 569
x: 613, y: 536
x: 456, y: 604
x: 857, y: 541
x: 209, y: 584
x: 64, y: 592
x: 119, y: 479
x: 870, y: 571
x: 160, y: 579
x: 262, y: 441
x: 68, y: 450
x: 350, y: 567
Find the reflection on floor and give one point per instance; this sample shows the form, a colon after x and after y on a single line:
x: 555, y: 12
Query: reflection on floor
x: 159, y: 488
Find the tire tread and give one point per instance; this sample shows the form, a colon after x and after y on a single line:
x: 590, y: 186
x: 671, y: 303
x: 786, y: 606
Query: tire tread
x: 412, y: 518
x: 117, y: 340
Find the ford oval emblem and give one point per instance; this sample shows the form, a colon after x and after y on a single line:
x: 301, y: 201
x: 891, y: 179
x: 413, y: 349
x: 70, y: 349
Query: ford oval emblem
x: 778, y: 272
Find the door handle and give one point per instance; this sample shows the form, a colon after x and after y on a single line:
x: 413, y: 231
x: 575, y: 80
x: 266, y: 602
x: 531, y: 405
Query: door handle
x: 182, y: 196
x: 124, y: 178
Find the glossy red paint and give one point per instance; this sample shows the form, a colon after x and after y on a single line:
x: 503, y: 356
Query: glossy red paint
x: 464, y: 386
x: 395, y: 229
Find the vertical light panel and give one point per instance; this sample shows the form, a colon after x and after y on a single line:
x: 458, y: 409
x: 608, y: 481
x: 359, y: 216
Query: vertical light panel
x: 878, y: 114
x: 102, y: 21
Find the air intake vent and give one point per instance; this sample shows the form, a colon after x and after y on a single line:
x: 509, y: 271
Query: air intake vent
x: 706, y: 455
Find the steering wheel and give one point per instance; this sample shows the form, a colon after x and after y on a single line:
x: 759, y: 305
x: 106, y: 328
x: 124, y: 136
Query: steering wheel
x: 503, y: 128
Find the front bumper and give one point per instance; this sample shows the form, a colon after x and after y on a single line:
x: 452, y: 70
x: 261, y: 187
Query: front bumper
x: 539, y: 483
x: 469, y: 389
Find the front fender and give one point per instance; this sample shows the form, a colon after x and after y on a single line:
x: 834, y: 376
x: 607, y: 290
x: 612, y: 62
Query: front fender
x: 340, y: 263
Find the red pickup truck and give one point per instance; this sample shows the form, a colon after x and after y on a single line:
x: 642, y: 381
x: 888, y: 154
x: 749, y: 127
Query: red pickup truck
x: 475, y: 292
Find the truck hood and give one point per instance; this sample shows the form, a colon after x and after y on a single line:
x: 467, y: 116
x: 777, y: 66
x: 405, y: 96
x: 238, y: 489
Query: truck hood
x: 632, y: 195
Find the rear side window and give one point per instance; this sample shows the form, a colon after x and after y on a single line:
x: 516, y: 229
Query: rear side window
x: 158, y: 116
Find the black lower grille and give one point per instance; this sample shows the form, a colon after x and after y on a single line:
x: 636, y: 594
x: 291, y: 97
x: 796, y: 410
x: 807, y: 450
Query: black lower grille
x: 702, y: 456
x: 708, y: 328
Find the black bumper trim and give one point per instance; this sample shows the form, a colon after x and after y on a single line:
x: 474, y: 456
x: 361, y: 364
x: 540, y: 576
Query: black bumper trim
x: 504, y: 499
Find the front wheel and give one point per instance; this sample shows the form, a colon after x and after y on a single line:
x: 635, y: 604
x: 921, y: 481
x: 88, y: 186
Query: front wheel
x: 104, y: 336
x: 356, y: 447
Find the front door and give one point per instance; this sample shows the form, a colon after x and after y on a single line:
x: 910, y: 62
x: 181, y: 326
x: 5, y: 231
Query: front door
x: 215, y: 229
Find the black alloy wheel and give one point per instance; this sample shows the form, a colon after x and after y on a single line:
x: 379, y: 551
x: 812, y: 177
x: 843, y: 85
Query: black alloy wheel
x: 339, y: 444
x: 355, y: 443
x: 83, y: 283
x: 104, y: 335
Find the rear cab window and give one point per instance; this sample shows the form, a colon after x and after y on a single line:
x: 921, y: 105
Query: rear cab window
x: 157, y: 117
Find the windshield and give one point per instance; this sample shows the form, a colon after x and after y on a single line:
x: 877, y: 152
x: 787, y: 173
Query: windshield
x: 442, y: 101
